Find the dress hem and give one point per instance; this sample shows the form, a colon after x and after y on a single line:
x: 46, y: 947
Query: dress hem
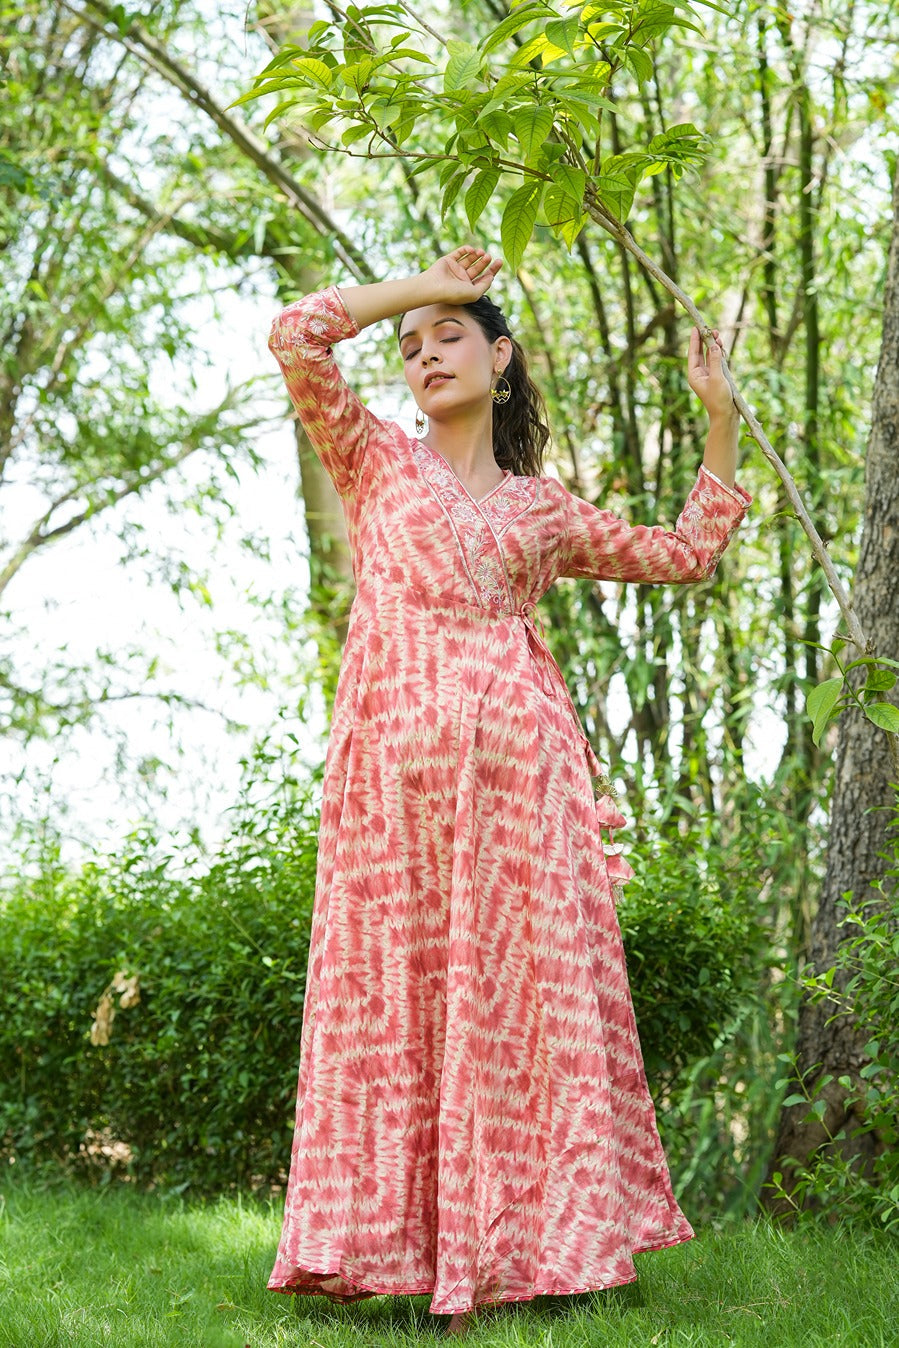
x: 364, y: 1290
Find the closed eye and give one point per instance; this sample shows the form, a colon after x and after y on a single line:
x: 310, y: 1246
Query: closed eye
x: 414, y: 350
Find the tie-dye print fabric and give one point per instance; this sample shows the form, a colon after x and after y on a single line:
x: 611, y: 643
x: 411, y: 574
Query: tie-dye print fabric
x: 473, y: 1120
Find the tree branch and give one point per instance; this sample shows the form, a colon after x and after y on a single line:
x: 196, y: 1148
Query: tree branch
x: 155, y: 55
x: 39, y: 535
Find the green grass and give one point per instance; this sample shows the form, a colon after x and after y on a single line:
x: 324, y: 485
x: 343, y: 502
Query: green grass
x: 88, y: 1267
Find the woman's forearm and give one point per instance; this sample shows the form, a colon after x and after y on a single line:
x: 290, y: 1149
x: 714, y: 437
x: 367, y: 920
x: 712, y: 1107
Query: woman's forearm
x: 385, y: 299
x: 461, y: 277
x: 721, y: 446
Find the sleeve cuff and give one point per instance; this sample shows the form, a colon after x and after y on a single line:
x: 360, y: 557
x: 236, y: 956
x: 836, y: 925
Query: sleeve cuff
x: 353, y: 328
x: 736, y: 491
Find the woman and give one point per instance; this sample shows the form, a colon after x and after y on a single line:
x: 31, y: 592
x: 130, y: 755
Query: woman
x: 473, y: 1120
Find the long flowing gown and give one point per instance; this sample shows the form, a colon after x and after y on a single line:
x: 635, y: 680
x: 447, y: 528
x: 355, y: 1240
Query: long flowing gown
x: 473, y: 1120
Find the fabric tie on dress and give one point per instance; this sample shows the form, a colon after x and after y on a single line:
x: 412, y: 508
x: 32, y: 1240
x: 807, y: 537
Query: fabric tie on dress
x: 552, y: 680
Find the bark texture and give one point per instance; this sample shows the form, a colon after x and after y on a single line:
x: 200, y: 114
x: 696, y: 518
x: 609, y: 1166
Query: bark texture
x: 864, y: 787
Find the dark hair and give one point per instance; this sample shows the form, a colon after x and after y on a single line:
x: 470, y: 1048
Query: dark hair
x: 520, y: 432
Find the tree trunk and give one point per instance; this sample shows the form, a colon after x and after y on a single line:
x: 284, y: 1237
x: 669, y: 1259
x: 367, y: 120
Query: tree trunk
x: 865, y: 776
x: 331, y: 581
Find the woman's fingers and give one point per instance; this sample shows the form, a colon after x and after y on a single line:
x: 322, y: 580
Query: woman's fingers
x: 477, y: 261
x: 706, y: 374
x: 704, y: 358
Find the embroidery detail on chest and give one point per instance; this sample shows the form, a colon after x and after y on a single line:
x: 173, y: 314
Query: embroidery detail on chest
x: 478, y: 525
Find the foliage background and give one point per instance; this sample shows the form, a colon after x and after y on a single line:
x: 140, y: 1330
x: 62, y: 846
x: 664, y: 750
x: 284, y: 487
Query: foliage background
x: 133, y: 205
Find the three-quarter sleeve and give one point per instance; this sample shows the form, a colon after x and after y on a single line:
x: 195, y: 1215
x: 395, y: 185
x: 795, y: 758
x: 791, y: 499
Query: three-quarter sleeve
x: 337, y: 422
x: 602, y: 546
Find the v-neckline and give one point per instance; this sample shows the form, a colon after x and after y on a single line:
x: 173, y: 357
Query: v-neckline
x: 476, y: 500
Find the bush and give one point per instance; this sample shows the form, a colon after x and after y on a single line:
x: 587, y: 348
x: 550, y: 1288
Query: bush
x: 696, y: 948
x: 710, y: 1015
x: 198, y: 1078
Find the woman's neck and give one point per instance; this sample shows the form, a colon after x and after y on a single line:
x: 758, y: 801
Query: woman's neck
x: 466, y: 442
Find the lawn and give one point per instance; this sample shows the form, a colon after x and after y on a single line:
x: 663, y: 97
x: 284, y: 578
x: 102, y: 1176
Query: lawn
x: 88, y: 1267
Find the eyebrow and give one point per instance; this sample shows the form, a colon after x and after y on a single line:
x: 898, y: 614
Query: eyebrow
x: 413, y: 332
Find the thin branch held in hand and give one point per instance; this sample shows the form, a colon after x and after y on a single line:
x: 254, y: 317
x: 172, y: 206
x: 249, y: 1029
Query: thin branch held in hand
x: 619, y: 232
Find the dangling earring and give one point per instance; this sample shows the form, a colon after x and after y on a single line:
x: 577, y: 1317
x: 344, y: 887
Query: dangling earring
x: 501, y: 391
x: 420, y: 422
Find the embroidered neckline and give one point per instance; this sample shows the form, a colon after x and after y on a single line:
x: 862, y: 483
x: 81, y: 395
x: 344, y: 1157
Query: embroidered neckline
x: 475, y: 500
x: 478, y: 523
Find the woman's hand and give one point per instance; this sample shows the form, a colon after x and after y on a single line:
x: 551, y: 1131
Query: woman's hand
x: 706, y: 377
x: 460, y: 277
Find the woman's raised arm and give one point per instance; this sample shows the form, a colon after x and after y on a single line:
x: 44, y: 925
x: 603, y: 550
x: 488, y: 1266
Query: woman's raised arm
x: 460, y: 277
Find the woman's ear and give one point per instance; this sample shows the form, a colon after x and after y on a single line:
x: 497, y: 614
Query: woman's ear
x: 502, y: 354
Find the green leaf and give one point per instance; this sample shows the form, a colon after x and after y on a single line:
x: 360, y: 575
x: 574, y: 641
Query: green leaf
x: 462, y: 68
x: 794, y: 1100
x: 426, y: 165
x: 315, y: 71
x: 392, y: 113
x: 403, y: 129
x: 453, y: 188
x: 573, y: 180
x: 671, y: 135
x: 479, y: 193
x: 280, y: 108
x: 563, y: 204
x: 450, y: 168
x: 509, y: 86
x: 318, y: 117
x: 880, y: 681
x: 512, y: 24
x: 532, y: 126
x: 259, y: 92
x: 531, y: 51
x: 588, y: 98
x: 411, y: 54
x: 357, y: 75
x: 638, y: 63
x: 354, y: 133
x: 820, y: 704
x: 497, y: 125
x: 519, y: 219
x: 582, y: 114
x: 564, y: 33
x: 883, y: 714
x: 616, y: 193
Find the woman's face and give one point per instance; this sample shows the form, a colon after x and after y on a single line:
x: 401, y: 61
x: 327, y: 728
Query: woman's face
x: 448, y: 362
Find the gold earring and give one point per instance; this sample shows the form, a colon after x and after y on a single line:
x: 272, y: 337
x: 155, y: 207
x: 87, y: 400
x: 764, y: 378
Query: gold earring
x: 420, y: 422
x: 499, y: 394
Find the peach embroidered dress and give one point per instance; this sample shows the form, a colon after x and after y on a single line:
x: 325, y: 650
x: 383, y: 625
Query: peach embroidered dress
x: 473, y: 1120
